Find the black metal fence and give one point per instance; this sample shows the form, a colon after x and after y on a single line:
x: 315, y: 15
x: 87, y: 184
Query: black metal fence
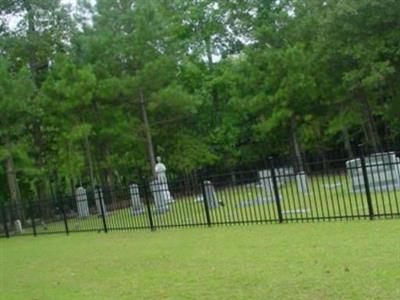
x: 363, y: 188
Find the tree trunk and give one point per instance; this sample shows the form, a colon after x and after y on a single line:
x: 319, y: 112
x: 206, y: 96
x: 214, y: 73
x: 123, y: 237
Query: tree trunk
x: 347, y: 143
x: 90, y: 162
x: 325, y: 166
x: 33, y: 62
x: 233, y: 177
x: 110, y: 184
x: 34, y: 68
x: 388, y: 138
x: 370, y: 124
x: 15, y: 193
x: 295, y: 142
x: 147, y: 132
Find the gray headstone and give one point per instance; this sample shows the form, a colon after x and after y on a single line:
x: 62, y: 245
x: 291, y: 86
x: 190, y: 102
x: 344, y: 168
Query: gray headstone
x: 296, y: 211
x: 137, y: 205
x: 18, y: 226
x: 266, y: 183
x: 382, y: 172
x: 160, y: 196
x: 165, y: 190
x: 98, y: 196
x: 210, y: 195
x: 332, y: 186
x: 199, y: 198
x: 258, y: 201
x: 302, y: 184
x: 81, y: 202
x: 282, y: 176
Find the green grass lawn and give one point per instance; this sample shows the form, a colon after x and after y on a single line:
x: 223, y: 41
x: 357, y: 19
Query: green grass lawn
x: 338, y: 260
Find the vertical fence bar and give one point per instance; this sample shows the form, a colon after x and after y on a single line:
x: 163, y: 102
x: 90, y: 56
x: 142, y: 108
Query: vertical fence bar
x: 103, y: 216
x: 366, y: 183
x: 147, y: 203
x: 3, y: 211
x: 205, y: 201
x: 64, y: 216
x: 32, y: 213
x: 276, y: 190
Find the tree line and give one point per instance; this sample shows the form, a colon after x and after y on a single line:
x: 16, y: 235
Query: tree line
x: 91, y: 93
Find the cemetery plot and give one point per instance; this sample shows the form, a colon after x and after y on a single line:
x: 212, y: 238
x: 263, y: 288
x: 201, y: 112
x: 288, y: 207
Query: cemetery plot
x: 303, y: 197
x: 321, y: 202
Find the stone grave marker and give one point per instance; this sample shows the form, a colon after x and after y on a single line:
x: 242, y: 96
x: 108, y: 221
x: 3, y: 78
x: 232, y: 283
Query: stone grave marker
x: 210, y: 195
x: 18, y: 226
x: 332, y: 186
x: 160, y: 196
x: 137, y: 205
x: 98, y: 196
x: 296, y: 211
x: 257, y: 201
x: 82, y: 202
x: 265, y: 177
x: 160, y: 171
x: 383, y: 172
x: 199, y: 198
x: 282, y: 176
x: 302, y: 183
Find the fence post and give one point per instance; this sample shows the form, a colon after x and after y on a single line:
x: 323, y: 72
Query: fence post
x: 147, y: 203
x: 32, y: 213
x: 3, y: 211
x: 64, y: 216
x: 366, y: 183
x: 100, y: 198
x: 205, y: 201
x: 276, y: 190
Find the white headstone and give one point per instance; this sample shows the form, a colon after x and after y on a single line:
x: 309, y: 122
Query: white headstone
x: 296, y: 211
x: 137, y: 205
x: 81, y: 202
x: 18, y: 226
x: 160, y: 170
x: 199, y: 198
x: 211, y: 195
x: 266, y: 181
x: 382, y: 171
x: 98, y: 196
x: 160, y: 196
x: 302, y: 184
x: 282, y: 176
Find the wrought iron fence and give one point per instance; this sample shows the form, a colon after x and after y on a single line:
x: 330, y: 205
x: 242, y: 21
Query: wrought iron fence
x: 367, y: 187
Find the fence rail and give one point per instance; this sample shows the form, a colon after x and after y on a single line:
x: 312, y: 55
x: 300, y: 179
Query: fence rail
x: 364, y: 188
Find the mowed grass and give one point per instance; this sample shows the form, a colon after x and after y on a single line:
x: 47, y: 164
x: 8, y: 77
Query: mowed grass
x: 337, y: 260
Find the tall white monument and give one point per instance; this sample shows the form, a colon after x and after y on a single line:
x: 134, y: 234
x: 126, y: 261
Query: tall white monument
x: 161, y: 178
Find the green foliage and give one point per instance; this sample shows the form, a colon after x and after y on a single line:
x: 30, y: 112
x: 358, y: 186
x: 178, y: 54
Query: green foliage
x: 224, y: 83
